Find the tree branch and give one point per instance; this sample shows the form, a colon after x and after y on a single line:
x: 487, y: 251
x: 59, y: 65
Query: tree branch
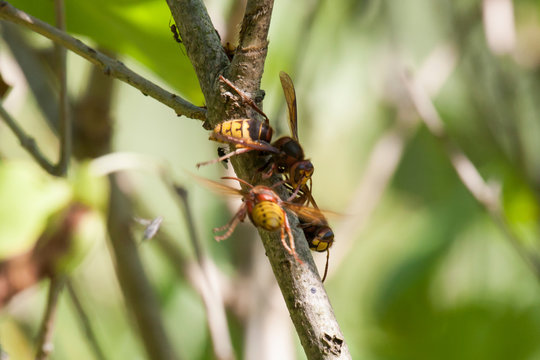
x: 204, y: 50
x: 247, y: 65
x: 300, y: 284
x: 208, y: 287
x: 110, y: 66
x: 27, y: 142
x: 135, y: 284
x: 65, y: 124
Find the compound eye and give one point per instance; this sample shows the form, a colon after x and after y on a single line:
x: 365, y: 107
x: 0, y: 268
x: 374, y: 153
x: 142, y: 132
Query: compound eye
x: 326, y: 236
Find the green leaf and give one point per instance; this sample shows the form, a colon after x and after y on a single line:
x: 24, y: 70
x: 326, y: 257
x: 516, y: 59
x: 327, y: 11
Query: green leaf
x: 29, y: 198
x: 139, y: 29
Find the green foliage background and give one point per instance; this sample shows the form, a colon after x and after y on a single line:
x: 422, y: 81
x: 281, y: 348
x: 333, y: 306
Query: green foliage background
x: 430, y: 276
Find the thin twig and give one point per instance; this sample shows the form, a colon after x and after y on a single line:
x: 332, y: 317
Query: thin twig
x: 65, y: 125
x: 487, y: 195
x: 208, y: 287
x: 27, y: 142
x: 84, y: 322
x: 56, y: 285
x: 110, y: 66
x: 44, y: 344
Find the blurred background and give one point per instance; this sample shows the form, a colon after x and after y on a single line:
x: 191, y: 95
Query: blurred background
x: 430, y: 261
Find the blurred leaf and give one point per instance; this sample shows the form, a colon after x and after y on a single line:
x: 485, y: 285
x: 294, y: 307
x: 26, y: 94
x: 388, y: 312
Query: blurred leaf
x: 138, y: 28
x: 89, y: 189
x: 29, y: 198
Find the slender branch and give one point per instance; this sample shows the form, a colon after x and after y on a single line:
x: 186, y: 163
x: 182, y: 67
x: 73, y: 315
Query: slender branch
x: 27, y: 142
x: 65, y: 128
x: 110, y: 66
x: 44, y: 344
x: 208, y: 287
x: 84, y: 322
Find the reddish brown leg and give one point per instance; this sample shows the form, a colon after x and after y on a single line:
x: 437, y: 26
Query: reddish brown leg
x: 293, y: 196
x: 231, y: 225
x: 285, y: 245
x: 244, y: 97
x: 268, y: 173
x: 326, y: 266
x: 292, y: 248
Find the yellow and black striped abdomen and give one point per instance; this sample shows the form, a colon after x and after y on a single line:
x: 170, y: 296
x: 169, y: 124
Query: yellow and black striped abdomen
x: 248, y: 129
x: 320, y: 237
x: 267, y: 215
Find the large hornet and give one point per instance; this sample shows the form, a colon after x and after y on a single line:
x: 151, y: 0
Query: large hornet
x: 287, y: 156
x: 265, y: 209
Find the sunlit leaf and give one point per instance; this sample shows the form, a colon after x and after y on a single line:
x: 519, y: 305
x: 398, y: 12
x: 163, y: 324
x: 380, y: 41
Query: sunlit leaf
x: 139, y: 29
x: 29, y: 198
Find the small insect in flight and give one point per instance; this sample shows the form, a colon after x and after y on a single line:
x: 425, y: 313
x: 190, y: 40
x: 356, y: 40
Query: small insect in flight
x: 151, y: 226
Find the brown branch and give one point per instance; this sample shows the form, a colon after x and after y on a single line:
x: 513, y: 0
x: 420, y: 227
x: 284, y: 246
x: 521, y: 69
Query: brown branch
x: 204, y: 50
x: 136, y: 287
x: 247, y: 65
x: 208, y: 287
x: 300, y: 283
x: 110, y: 66
x: 65, y: 125
x: 45, y: 346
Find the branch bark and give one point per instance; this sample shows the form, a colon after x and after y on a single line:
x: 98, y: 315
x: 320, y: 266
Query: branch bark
x: 132, y: 278
x: 300, y: 283
x: 110, y: 66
